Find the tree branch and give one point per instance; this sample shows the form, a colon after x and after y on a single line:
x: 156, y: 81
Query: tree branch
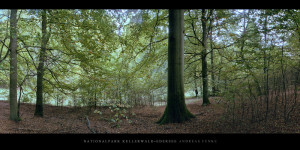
x: 194, y: 30
x: 4, y: 56
x: 194, y: 53
x: 156, y: 23
x: 28, y: 52
x: 192, y: 63
x: 188, y: 37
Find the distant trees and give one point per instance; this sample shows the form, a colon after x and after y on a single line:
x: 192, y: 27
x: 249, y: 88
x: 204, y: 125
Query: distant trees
x: 264, y: 88
x: 204, y: 20
x: 175, y: 110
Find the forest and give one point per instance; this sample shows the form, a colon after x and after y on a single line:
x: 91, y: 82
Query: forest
x: 149, y: 70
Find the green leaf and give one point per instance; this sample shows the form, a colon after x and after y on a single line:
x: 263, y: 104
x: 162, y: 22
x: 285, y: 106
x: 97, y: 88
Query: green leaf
x: 129, y: 121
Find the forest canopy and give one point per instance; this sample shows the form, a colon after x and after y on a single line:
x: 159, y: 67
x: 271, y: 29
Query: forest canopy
x: 105, y: 57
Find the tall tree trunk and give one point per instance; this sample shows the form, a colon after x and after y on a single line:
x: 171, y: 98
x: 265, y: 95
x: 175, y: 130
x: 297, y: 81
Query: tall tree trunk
x: 95, y: 99
x: 214, y: 88
x: 219, y: 75
x: 19, y: 101
x: 13, y: 115
x: 284, y: 84
x: 266, y: 72
x: 40, y: 69
x: 195, y: 81
x: 176, y: 110
x: 204, y: 61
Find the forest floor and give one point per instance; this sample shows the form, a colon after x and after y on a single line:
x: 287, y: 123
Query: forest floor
x: 140, y: 120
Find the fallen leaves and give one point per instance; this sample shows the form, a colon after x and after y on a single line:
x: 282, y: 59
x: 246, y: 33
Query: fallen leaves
x: 141, y: 120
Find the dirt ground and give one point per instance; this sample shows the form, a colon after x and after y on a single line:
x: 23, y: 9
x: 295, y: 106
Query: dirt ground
x: 64, y: 120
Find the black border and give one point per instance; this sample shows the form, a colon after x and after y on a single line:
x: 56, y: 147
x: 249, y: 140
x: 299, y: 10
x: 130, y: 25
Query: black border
x: 150, y: 4
x: 54, y: 140
x: 86, y: 140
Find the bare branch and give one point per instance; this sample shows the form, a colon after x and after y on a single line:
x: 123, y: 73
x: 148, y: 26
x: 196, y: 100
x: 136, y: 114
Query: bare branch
x: 4, y: 56
x: 29, y: 53
x: 194, y: 30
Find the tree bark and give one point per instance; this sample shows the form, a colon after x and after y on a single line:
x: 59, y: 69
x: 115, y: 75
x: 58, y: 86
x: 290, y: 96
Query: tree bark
x: 214, y: 88
x: 176, y: 110
x: 40, y: 69
x: 204, y: 61
x: 13, y: 115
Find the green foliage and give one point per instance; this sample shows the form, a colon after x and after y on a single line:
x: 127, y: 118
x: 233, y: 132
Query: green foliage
x: 107, y: 57
x: 119, y: 113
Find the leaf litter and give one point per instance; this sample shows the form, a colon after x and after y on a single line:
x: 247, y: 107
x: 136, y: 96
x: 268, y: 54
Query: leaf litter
x: 141, y: 119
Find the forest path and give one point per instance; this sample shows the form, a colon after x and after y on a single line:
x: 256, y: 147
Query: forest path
x: 193, y: 100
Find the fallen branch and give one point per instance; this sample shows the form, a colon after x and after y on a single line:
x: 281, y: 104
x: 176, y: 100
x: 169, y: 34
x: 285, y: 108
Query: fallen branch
x: 88, y: 125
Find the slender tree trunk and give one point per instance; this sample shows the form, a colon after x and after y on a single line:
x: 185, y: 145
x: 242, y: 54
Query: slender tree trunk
x: 283, y: 74
x: 95, y: 100
x: 251, y: 97
x: 195, y: 81
x: 176, y: 110
x: 214, y: 89
x: 204, y: 61
x: 40, y: 69
x: 219, y: 75
x: 296, y: 81
x: 266, y: 73
x: 13, y: 115
x: 57, y: 99
x: 277, y: 93
x: 19, y: 101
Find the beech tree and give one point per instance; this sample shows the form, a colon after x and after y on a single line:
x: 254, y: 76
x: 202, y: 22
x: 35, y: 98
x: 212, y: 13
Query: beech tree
x: 13, y: 67
x: 40, y: 69
x: 206, y: 21
x: 176, y: 110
